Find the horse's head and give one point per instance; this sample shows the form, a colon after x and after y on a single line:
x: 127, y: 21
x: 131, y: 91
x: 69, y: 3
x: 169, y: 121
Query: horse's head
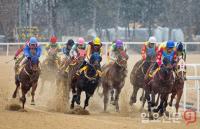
x: 122, y: 59
x: 181, y: 68
x: 33, y: 64
x: 91, y: 72
x: 52, y: 52
x: 95, y: 60
x: 166, y: 67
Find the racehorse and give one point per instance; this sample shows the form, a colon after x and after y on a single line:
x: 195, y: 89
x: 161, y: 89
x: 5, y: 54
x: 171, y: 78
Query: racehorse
x: 137, y: 76
x: 162, y: 83
x: 27, y: 78
x: 179, y: 82
x: 113, y: 77
x: 87, y: 81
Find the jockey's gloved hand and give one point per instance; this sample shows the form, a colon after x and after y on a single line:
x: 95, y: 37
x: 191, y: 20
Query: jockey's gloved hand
x: 15, y: 58
x: 29, y: 58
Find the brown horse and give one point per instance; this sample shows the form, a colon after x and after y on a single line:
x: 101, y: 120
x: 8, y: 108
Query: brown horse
x: 27, y: 78
x: 179, y: 83
x: 113, y: 77
x: 162, y: 83
x: 136, y: 78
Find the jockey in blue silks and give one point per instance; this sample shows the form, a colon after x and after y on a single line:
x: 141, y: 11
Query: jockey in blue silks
x: 32, y: 49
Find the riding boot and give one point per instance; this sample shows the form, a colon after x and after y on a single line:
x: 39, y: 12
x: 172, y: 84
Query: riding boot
x: 83, y: 64
x: 153, y: 68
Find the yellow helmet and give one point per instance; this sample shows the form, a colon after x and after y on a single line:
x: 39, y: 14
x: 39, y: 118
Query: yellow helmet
x: 97, y: 41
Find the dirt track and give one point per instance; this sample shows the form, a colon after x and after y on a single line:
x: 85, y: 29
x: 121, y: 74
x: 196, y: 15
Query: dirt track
x: 39, y: 118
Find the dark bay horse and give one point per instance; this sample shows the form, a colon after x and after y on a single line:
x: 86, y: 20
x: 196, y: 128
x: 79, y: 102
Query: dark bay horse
x: 113, y: 78
x: 162, y: 83
x: 86, y: 81
x: 179, y: 83
x: 28, y: 78
x: 137, y: 78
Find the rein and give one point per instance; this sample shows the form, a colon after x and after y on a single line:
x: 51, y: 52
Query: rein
x: 89, y: 78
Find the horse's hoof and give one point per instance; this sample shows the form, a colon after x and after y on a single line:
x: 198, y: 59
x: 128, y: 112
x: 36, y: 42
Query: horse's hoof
x: 14, y: 96
x: 141, y: 98
x: 22, y: 110
x: 155, y: 110
x: 72, y: 106
x: 167, y: 113
x: 112, y: 102
x: 117, y: 110
x: 32, y: 103
x: 153, y: 105
x: 131, y: 103
x: 150, y: 116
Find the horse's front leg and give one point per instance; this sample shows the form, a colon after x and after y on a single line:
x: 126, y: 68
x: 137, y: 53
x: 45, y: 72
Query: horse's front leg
x: 112, y: 96
x: 24, y: 90
x: 17, y: 86
x: 148, y: 98
x: 142, y: 96
x: 105, y: 100
x: 86, y: 100
x: 78, y: 97
x: 172, y: 98
x: 74, y: 96
x: 133, y: 98
x: 118, y: 91
x: 34, y: 87
x: 179, y: 94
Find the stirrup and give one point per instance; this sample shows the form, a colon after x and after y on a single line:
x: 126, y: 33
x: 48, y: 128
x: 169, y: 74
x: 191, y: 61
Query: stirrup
x: 150, y: 75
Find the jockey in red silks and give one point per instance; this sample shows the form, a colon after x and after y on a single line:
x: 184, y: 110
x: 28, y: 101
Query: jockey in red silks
x: 166, y: 50
x: 19, y: 56
x: 149, y: 49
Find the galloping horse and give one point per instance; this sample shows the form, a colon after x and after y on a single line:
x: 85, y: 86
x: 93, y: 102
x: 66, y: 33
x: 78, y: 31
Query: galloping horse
x: 179, y: 82
x: 137, y: 76
x: 113, y: 77
x: 27, y: 78
x: 87, y: 81
x: 162, y: 83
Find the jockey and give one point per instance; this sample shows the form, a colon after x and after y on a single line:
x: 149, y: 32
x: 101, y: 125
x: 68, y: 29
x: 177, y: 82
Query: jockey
x: 149, y: 49
x: 94, y: 46
x: 19, y: 56
x: 66, y: 50
x: 180, y: 50
x: 53, y: 46
x: 32, y: 49
x: 115, y: 49
x: 94, y: 57
x: 167, y: 50
x: 78, y: 49
x: 68, y: 47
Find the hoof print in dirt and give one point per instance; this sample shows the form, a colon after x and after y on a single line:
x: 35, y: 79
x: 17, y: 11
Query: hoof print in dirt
x: 22, y: 110
x: 79, y: 111
x: 13, y: 107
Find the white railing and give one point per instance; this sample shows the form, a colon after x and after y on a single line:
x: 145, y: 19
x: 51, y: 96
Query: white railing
x: 104, y: 43
x: 196, y: 87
